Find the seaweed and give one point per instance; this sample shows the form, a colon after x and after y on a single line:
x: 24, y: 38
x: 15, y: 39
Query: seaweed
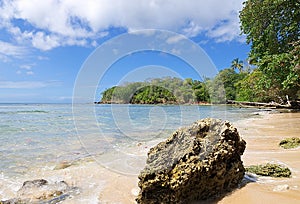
x: 273, y: 170
x: 290, y: 143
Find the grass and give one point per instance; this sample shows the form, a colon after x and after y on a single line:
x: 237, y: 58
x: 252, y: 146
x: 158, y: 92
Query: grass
x: 273, y: 170
x: 290, y: 143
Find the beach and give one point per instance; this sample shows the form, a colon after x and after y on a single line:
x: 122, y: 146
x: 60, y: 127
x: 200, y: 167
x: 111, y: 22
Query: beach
x: 262, y: 136
x: 98, y: 183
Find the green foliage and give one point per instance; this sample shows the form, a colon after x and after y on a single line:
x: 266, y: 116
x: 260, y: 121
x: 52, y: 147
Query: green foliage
x: 273, y: 29
x: 201, y: 93
x: 222, y: 87
x: 237, y: 64
x: 280, y: 75
x: 273, y: 170
x: 152, y: 95
x: 107, y: 94
x: 290, y: 143
x: 250, y: 88
x: 270, y: 25
x: 160, y: 90
x: 227, y: 85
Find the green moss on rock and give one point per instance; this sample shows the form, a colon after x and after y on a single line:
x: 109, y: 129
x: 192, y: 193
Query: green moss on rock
x: 290, y: 143
x: 273, y: 170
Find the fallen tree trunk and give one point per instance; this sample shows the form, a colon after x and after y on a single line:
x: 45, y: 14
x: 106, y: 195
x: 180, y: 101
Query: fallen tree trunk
x: 290, y: 105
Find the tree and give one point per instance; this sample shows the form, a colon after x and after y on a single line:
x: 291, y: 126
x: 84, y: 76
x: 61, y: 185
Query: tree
x: 156, y: 91
x: 152, y: 95
x: 188, y: 81
x: 237, y: 64
x: 108, y: 93
x: 250, y: 89
x: 201, y: 94
x: 273, y: 29
x: 222, y: 87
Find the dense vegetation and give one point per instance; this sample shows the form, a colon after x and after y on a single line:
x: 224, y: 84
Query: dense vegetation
x: 161, y: 90
x: 272, y: 28
x: 225, y: 86
x: 152, y: 94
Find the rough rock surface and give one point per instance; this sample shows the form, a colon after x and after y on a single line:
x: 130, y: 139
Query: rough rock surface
x: 41, y: 191
x: 195, y: 163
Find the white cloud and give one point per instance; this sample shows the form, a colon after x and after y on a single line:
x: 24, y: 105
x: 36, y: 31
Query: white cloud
x: 30, y: 73
x: 4, y: 58
x: 175, y: 39
x: 7, y: 49
x: 42, y: 58
x: 192, y: 30
x: 75, y: 22
x: 20, y: 72
x: 27, y: 84
x: 44, y: 42
x: 226, y: 30
x: 175, y: 51
x: 27, y: 66
x: 94, y: 43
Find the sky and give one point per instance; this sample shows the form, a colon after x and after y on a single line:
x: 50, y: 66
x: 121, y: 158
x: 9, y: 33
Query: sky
x: 46, y: 45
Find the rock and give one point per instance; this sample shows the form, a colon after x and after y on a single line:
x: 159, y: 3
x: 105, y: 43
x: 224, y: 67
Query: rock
x: 290, y: 143
x: 195, y: 163
x: 272, y: 170
x: 35, y: 183
x: 41, y: 191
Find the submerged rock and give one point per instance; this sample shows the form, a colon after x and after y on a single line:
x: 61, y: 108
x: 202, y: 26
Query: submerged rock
x: 272, y: 170
x: 290, y: 143
x: 41, y: 191
x: 195, y: 163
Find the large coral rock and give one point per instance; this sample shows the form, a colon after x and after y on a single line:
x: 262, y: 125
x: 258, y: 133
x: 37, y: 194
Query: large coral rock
x: 195, y: 163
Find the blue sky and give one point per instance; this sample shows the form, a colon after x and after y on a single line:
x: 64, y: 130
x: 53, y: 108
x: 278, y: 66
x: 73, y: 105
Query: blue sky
x: 44, y: 44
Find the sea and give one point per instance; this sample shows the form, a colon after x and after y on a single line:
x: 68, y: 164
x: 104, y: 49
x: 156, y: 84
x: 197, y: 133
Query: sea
x: 39, y: 136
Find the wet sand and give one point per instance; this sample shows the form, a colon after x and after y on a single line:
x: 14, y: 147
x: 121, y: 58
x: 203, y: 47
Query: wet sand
x: 262, y: 134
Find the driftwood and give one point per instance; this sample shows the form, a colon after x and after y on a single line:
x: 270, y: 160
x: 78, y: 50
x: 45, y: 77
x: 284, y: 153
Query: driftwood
x: 289, y: 105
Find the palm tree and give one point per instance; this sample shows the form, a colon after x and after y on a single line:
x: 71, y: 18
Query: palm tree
x: 237, y: 64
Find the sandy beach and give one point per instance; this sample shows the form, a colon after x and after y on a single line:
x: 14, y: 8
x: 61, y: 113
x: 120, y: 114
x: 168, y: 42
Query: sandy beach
x: 262, y: 134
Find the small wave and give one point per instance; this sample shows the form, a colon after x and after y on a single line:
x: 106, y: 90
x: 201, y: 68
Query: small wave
x: 23, y: 112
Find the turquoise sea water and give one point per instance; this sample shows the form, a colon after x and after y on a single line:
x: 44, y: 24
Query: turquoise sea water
x: 40, y: 135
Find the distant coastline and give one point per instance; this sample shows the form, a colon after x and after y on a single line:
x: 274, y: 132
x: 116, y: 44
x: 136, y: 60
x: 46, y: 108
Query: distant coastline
x: 199, y: 104
x: 175, y: 91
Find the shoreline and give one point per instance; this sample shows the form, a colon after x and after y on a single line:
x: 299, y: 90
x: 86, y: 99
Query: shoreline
x: 262, y: 133
x: 238, y: 104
